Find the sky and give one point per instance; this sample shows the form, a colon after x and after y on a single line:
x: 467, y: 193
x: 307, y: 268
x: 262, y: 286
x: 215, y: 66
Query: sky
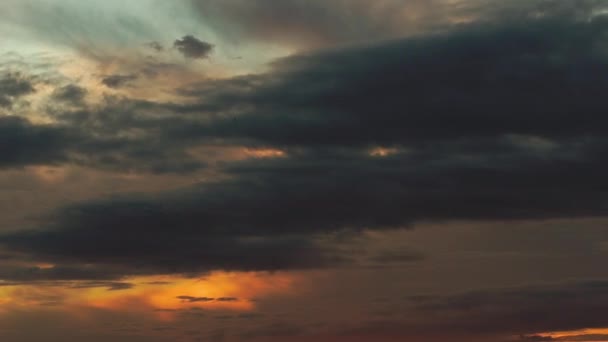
x: 303, y: 170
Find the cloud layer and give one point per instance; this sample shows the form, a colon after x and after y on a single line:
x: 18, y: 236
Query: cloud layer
x: 477, y: 123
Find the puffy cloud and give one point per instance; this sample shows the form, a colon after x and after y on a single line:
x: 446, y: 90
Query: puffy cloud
x: 192, y: 47
x: 71, y: 93
x: 13, y: 86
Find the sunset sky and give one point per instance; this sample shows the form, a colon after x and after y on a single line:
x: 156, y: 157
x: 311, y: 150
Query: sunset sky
x: 304, y: 170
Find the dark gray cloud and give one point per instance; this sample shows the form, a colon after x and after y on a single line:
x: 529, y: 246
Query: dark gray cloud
x: 110, y: 286
x: 477, y: 82
x: 156, y: 46
x: 227, y: 299
x: 474, y: 82
x: 72, y: 94
x: 191, y: 299
x: 118, y: 81
x: 151, y: 248
x: 487, y: 122
x: 473, y: 88
x: 192, y: 47
x: 23, y: 143
x: 268, y: 215
x: 13, y: 86
x: 21, y: 274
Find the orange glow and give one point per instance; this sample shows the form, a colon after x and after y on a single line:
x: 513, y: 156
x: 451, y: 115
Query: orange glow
x: 217, y: 291
x: 565, y: 334
x: 215, y: 153
x: 383, y: 151
x: 264, y: 153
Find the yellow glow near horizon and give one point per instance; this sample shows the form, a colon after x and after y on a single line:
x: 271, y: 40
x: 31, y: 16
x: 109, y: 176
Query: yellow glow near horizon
x: 565, y: 334
x: 152, y: 293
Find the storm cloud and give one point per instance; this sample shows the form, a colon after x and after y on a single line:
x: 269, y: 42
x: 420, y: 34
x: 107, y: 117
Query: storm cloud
x: 525, y: 79
x: 475, y: 124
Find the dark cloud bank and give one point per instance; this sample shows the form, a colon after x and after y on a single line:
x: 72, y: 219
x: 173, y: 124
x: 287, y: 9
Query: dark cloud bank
x: 500, y: 122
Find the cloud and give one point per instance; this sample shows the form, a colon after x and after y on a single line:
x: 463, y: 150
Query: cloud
x: 484, y: 122
x: 454, y: 93
x: 13, y: 86
x: 22, y: 274
x: 189, y: 248
x: 23, y: 143
x: 72, y: 94
x: 192, y: 47
x: 156, y: 46
x: 470, y: 83
x: 191, y: 299
x: 118, y: 81
x: 110, y: 286
x: 237, y: 224
x: 227, y: 299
